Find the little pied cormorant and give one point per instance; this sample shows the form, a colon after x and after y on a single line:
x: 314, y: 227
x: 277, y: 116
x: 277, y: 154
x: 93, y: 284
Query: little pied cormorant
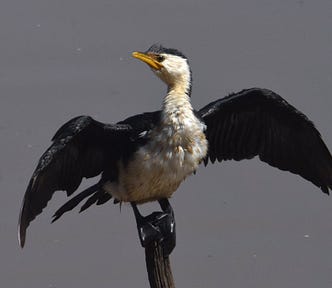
x: 147, y: 156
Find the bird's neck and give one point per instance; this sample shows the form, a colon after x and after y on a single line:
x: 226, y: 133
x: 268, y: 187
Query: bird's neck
x: 176, y: 104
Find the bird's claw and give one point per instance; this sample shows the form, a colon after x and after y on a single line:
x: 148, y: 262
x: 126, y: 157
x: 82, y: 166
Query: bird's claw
x: 158, y: 227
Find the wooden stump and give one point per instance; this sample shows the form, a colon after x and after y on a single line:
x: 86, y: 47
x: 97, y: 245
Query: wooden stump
x: 159, y: 267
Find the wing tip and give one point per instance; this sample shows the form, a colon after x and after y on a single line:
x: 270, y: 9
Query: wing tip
x: 55, y: 217
x: 327, y: 186
x: 325, y: 190
x: 21, y: 233
x: 24, y: 221
x: 328, y: 179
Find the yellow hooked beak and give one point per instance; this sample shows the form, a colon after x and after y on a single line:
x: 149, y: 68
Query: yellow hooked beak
x: 148, y: 59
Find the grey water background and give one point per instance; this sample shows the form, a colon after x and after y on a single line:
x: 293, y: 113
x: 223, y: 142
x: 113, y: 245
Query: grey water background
x: 239, y: 224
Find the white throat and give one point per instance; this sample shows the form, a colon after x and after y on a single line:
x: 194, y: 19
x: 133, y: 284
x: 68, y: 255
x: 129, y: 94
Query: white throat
x: 176, y: 104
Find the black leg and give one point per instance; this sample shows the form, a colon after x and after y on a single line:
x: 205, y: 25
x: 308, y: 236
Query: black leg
x: 157, y: 227
x: 169, y: 240
x: 148, y: 231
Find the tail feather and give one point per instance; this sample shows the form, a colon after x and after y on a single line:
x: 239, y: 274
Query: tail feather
x: 103, y: 198
x: 72, y: 203
x: 99, y: 198
x: 91, y: 200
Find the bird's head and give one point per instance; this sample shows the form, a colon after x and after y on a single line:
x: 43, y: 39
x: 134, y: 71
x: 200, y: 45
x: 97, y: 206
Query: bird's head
x: 170, y: 65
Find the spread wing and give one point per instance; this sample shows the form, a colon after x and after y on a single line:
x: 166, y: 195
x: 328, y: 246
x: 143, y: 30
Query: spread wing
x: 259, y: 122
x: 81, y: 148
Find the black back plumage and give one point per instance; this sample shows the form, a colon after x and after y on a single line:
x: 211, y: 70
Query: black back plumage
x: 258, y: 122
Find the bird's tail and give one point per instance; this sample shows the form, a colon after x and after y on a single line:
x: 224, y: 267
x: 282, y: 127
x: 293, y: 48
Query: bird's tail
x: 98, y: 196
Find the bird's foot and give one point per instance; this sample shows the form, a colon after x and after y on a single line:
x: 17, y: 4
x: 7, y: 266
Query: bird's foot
x: 157, y: 227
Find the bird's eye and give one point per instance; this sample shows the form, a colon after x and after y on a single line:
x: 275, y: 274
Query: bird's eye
x: 160, y: 58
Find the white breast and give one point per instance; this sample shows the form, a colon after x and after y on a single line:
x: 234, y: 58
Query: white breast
x: 175, y: 150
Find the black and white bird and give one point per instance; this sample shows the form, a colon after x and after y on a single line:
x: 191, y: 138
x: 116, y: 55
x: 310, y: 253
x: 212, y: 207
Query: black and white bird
x: 147, y: 156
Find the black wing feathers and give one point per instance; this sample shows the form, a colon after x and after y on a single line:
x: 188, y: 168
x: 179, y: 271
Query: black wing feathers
x: 81, y: 148
x: 259, y: 122
x: 138, y: 124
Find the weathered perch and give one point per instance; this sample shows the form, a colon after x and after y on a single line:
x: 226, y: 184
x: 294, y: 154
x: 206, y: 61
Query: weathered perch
x: 159, y: 267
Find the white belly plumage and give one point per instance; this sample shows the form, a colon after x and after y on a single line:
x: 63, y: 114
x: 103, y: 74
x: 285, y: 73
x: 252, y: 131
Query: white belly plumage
x: 158, y: 168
